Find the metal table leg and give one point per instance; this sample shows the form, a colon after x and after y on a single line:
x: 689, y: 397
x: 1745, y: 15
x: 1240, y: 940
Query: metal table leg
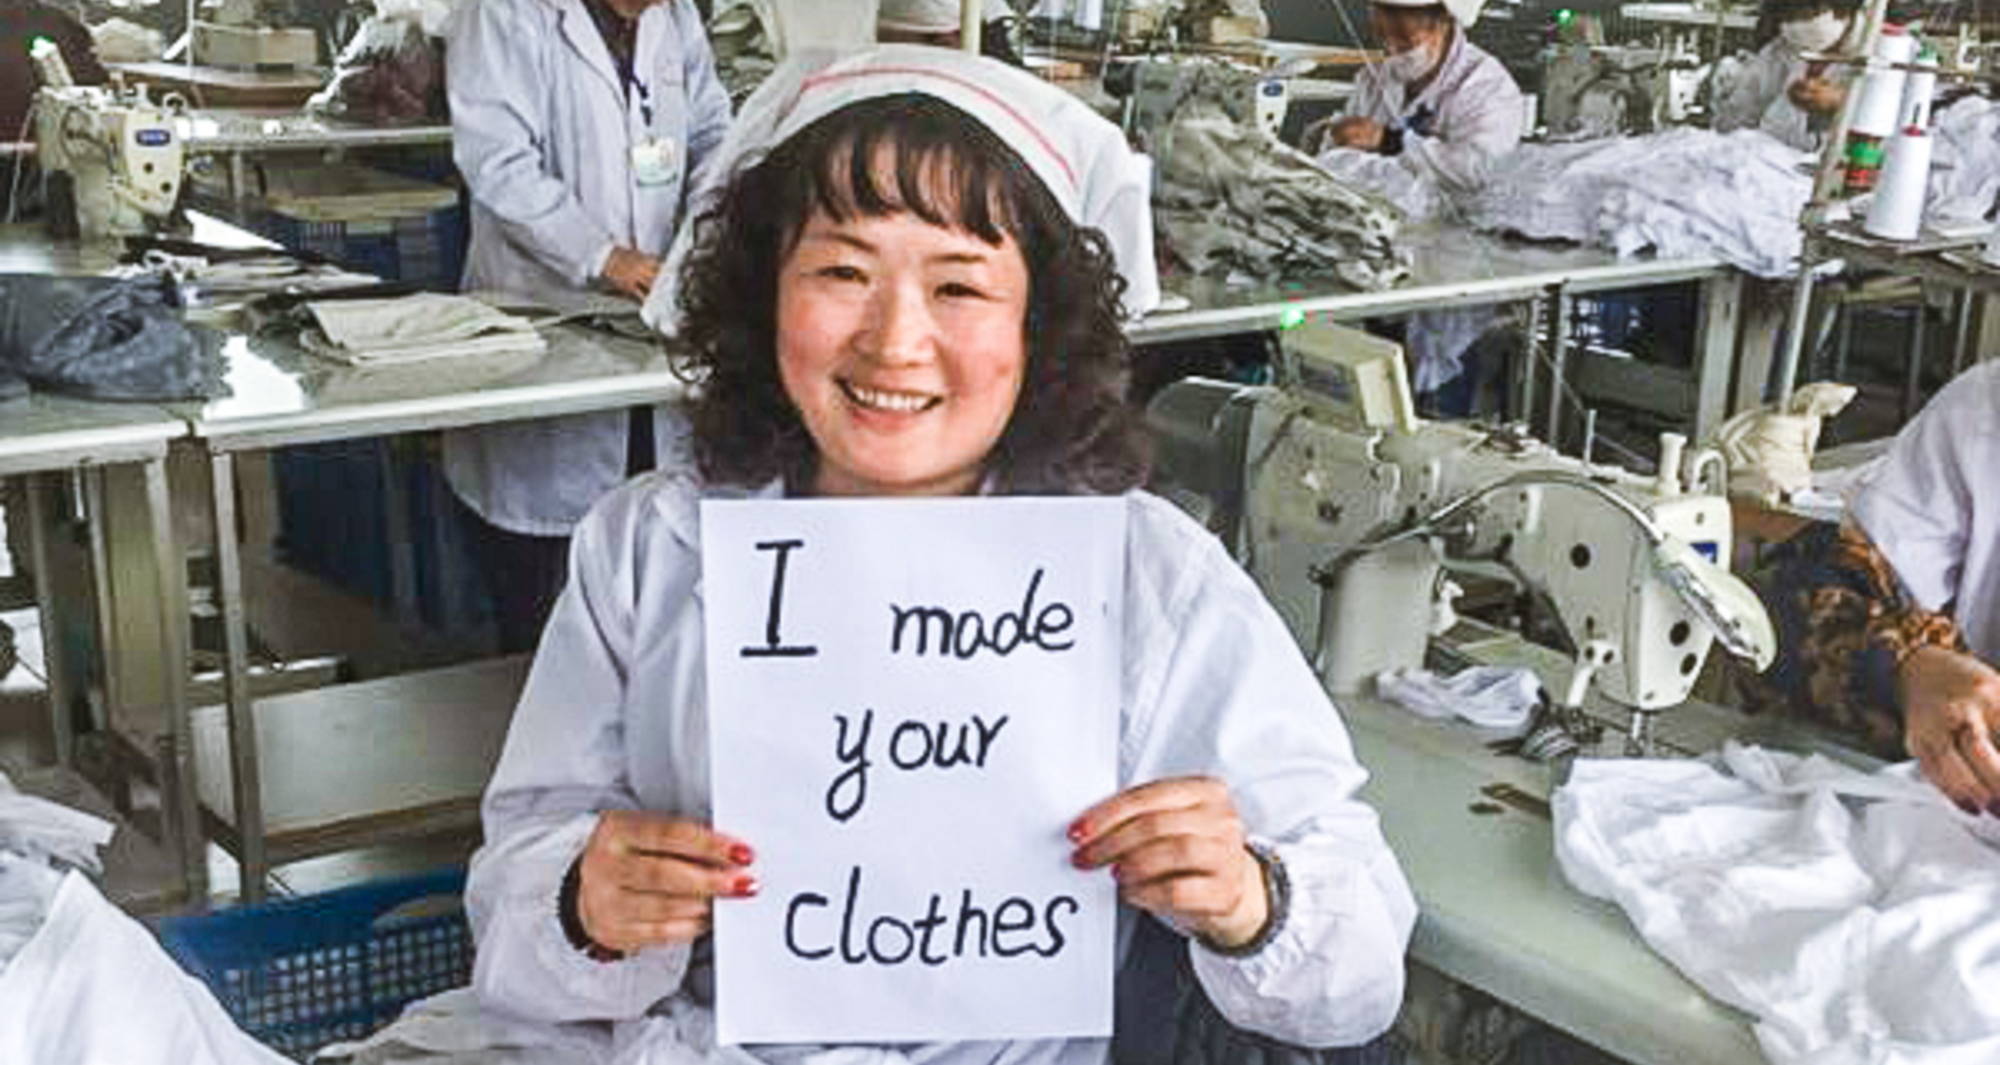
x: 1524, y: 403
x: 1715, y: 349
x: 1914, y: 370
x: 61, y: 724
x: 1559, y: 304
x: 180, y: 805
x: 248, y: 785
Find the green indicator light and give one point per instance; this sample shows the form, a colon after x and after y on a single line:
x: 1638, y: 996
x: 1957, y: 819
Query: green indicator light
x: 1565, y: 17
x: 1292, y: 319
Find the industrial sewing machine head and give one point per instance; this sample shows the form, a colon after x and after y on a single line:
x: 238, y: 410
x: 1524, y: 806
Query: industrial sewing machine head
x: 1347, y: 510
x: 113, y: 158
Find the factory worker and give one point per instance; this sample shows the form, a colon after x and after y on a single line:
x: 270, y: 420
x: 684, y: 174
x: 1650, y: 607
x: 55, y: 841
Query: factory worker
x: 1447, y: 110
x: 1777, y: 90
x: 1438, y: 102
x: 1889, y: 627
x: 593, y: 894
x: 580, y: 126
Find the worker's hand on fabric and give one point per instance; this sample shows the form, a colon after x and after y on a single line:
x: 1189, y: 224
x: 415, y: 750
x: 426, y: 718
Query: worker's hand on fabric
x: 1951, y: 705
x: 1177, y: 849
x: 1357, y: 132
x: 648, y: 879
x: 1816, y: 96
x: 631, y: 272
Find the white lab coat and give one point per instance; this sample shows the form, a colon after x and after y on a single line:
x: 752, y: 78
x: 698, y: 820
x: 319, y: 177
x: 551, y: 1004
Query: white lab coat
x: 1934, y: 506
x: 1751, y: 92
x: 543, y: 131
x: 614, y: 716
x: 1477, y: 108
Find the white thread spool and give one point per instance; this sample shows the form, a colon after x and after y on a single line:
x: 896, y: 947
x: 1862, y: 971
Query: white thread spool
x: 1875, y: 114
x: 1918, y: 93
x: 1898, y: 210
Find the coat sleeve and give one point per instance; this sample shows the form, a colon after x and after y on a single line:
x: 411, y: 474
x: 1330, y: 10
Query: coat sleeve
x: 1919, y: 508
x: 564, y: 763
x: 501, y: 87
x: 1238, y: 701
x: 1483, y: 124
x: 708, y: 100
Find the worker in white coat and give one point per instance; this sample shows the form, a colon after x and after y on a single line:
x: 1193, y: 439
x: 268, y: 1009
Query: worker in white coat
x: 1777, y: 90
x: 818, y: 300
x: 1438, y: 102
x: 1448, y: 111
x: 580, y: 126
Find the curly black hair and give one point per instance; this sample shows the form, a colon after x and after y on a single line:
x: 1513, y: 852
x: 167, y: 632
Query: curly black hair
x: 1071, y: 430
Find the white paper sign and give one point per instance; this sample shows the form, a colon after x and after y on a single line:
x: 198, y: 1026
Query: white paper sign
x: 909, y: 702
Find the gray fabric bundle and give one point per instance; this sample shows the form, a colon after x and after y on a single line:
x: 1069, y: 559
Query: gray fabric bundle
x: 107, y: 338
x: 1230, y: 200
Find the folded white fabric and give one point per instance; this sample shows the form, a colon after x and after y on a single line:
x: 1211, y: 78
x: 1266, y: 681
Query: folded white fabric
x: 93, y: 986
x: 1856, y: 915
x: 1965, y: 172
x: 50, y: 832
x: 425, y: 325
x: 1500, y: 697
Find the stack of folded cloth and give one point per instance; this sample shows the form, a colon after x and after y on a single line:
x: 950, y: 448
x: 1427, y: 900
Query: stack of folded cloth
x: 427, y: 325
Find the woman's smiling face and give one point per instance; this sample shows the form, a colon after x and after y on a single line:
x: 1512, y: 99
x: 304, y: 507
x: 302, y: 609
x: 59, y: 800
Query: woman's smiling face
x: 903, y: 345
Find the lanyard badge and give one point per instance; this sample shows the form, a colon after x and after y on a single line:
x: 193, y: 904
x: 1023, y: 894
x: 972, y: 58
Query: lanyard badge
x: 656, y: 161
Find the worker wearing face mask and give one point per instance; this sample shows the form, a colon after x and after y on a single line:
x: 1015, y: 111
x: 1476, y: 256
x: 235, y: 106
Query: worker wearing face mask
x: 1778, y: 90
x: 1437, y: 101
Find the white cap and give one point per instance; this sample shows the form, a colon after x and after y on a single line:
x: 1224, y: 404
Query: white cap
x: 933, y: 16
x: 1082, y: 159
x: 1465, y: 12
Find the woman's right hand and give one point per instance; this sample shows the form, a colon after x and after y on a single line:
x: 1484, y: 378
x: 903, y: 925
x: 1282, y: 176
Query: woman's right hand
x: 1951, y: 707
x: 648, y: 879
x: 631, y: 272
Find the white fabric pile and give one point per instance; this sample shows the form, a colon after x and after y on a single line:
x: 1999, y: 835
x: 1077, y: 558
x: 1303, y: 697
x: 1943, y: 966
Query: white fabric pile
x: 48, y: 832
x: 426, y: 325
x: 80, y: 982
x: 1965, y: 169
x: 1684, y: 193
x: 1417, y: 196
x: 1856, y: 915
x: 1231, y: 201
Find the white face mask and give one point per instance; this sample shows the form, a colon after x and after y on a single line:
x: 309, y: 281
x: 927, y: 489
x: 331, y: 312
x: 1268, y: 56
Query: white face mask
x: 1409, y: 65
x: 1816, y: 34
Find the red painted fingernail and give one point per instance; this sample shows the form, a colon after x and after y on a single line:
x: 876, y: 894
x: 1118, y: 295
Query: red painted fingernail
x: 1077, y: 831
x: 744, y: 887
x: 1968, y: 806
x: 741, y: 854
x: 1077, y: 859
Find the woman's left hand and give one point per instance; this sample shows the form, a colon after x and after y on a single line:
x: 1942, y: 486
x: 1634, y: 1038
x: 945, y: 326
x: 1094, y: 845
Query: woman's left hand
x: 1176, y: 847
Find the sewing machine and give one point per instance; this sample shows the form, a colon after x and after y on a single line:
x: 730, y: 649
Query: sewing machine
x: 117, y: 153
x: 1348, y: 510
x: 1156, y: 88
x: 1605, y: 90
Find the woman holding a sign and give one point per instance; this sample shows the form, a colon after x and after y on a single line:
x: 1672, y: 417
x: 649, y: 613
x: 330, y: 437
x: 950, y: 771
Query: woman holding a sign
x: 908, y: 284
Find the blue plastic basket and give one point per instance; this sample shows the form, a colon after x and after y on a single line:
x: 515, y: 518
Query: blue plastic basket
x: 301, y: 973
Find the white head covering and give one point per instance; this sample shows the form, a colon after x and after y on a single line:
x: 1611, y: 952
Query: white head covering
x: 933, y: 16
x: 1465, y: 12
x: 1082, y: 159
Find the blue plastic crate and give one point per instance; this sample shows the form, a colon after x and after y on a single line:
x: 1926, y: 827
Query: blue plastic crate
x: 298, y: 974
x: 425, y: 249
